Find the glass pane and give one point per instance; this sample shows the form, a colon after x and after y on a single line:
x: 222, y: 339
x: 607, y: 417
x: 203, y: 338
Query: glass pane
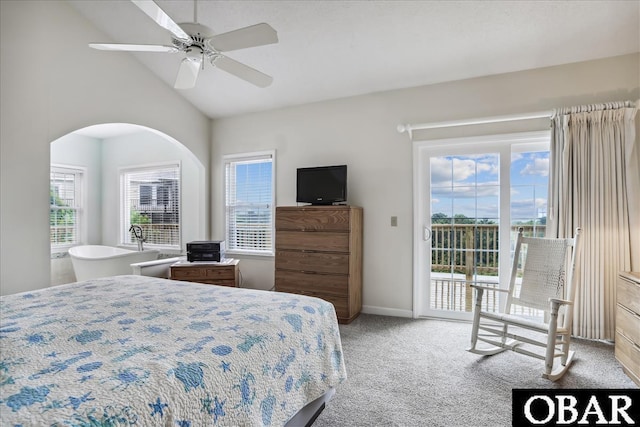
x: 465, y: 209
x: 63, y: 214
x: 529, y: 188
x: 249, y: 204
x: 152, y: 201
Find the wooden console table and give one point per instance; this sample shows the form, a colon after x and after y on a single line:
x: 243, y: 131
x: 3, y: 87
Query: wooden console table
x: 223, y: 274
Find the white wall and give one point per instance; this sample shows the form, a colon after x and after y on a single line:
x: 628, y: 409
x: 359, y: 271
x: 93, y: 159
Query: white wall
x: 361, y: 132
x: 51, y: 84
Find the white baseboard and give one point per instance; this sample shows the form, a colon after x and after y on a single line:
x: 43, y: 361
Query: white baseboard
x: 384, y: 311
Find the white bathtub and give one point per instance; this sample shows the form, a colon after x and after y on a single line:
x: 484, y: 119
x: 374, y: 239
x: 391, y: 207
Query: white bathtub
x: 91, y: 261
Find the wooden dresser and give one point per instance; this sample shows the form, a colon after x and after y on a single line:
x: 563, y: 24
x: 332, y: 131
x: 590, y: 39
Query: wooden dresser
x: 628, y: 324
x: 319, y: 253
x: 223, y: 274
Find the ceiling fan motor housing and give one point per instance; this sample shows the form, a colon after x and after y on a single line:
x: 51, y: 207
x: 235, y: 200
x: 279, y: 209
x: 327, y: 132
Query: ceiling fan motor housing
x: 197, y: 48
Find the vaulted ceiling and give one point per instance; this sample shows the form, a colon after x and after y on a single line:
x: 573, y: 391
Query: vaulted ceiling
x: 333, y: 49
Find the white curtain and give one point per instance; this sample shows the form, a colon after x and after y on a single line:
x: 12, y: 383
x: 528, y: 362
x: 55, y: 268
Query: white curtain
x: 594, y: 184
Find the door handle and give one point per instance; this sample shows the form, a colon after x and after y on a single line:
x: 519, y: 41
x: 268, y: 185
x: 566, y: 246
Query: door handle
x: 426, y: 233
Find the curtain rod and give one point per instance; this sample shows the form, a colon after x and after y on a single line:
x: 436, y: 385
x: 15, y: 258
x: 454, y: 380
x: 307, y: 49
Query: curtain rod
x: 465, y: 122
x: 409, y: 128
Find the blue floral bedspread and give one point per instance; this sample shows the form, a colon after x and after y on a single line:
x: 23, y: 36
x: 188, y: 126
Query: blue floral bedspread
x: 142, y: 351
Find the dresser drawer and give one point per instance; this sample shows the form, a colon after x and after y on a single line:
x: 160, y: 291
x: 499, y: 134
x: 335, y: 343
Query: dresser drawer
x: 313, y: 241
x: 316, y: 218
x: 319, y: 262
x: 340, y: 303
x: 299, y: 282
x: 225, y: 273
x: 185, y: 273
x: 628, y: 292
x: 628, y: 355
x: 628, y: 324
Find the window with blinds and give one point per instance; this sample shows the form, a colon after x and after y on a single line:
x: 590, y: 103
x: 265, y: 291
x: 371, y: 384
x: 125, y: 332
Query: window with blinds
x: 249, y: 202
x: 65, y: 211
x: 150, y: 198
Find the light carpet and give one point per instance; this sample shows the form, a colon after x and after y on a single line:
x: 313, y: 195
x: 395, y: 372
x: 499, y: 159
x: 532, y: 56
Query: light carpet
x: 405, y: 372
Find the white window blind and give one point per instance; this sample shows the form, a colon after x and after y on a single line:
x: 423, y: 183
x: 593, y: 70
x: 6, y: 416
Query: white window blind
x: 65, y: 207
x: 150, y: 198
x: 249, y: 201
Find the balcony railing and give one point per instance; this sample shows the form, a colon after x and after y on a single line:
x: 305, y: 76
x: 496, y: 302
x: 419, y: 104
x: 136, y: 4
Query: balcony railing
x: 465, y: 254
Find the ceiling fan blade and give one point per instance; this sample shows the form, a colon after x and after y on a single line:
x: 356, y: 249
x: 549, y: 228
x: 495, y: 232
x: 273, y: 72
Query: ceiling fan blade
x: 255, y: 35
x: 133, y: 47
x: 161, y: 18
x: 242, y: 71
x: 188, y: 73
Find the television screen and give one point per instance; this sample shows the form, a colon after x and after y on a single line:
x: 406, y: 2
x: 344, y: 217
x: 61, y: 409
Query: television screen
x: 322, y: 185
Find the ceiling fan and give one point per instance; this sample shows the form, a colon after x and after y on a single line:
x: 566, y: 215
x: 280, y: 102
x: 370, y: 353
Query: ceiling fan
x: 198, y: 43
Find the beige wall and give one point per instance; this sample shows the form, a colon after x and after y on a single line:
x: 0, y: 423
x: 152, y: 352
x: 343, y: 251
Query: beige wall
x: 361, y: 132
x: 52, y: 83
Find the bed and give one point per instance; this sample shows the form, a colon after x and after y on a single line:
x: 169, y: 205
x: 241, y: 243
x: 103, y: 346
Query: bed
x: 144, y: 351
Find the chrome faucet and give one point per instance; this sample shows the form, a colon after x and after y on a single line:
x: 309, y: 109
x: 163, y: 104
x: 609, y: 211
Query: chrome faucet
x: 137, y: 231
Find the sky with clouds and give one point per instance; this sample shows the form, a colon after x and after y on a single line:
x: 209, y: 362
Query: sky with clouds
x: 469, y: 185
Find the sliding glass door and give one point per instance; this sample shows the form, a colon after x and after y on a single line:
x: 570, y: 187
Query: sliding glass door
x: 470, y: 196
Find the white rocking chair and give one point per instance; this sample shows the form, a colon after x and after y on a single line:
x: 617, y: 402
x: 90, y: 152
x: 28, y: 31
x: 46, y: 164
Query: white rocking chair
x: 547, y: 265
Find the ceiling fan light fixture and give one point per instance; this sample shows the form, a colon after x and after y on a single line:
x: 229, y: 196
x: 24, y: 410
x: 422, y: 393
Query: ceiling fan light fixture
x: 188, y: 73
x: 194, y: 53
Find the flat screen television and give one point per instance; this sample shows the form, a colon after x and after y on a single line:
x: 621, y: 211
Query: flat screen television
x: 322, y: 185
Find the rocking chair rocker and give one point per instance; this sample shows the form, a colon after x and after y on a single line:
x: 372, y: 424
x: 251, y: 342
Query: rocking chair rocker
x: 547, y: 285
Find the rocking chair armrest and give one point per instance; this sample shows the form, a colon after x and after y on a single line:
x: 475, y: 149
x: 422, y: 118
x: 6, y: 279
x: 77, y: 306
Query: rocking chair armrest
x: 560, y: 301
x: 488, y: 288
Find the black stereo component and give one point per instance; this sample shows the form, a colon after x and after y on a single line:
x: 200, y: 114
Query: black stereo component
x: 205, y: 250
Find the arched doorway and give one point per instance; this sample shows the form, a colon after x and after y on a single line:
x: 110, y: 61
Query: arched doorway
x: 92, y: 159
